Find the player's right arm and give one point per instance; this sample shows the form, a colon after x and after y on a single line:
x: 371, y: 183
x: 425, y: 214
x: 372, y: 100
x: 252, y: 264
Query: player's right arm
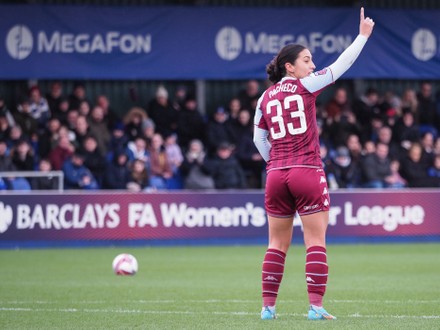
x: 261, y: 133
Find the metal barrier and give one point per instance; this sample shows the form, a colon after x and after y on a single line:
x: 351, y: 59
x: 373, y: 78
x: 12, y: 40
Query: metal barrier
x: 36, y: 174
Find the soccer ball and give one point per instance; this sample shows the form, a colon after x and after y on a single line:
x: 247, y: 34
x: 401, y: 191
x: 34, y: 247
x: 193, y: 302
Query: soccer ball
x: 125, y: 264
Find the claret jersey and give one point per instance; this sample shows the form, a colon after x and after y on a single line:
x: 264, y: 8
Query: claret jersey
x: 287, y: 111
x: 286, y: 132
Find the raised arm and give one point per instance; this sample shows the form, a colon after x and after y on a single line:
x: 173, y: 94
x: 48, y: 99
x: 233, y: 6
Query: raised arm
x: 345, y: 60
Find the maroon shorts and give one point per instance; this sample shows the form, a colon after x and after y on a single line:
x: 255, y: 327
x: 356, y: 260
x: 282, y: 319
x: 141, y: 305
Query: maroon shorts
x: 302, y: 189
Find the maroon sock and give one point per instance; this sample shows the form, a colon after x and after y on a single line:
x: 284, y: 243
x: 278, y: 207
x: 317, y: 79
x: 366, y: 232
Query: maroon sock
x: 273, y: 270
x: 316, y: 274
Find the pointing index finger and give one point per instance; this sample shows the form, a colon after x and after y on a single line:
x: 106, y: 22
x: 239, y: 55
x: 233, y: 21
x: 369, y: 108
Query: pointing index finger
x: 362, y: 14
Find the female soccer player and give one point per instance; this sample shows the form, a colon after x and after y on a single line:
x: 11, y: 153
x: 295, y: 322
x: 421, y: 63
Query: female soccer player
x: 286, y: 135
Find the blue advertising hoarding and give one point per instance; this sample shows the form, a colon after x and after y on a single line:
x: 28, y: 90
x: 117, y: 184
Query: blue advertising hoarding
x: 91, y: 42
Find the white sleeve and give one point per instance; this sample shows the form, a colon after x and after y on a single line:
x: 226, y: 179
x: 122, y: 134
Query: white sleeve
x: 261, y: 135
x: 262, y: 143
x: 347, y: 58
x: 327, y: 76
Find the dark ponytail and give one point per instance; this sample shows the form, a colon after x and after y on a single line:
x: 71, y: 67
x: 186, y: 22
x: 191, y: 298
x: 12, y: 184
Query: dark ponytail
x: 288, y: 54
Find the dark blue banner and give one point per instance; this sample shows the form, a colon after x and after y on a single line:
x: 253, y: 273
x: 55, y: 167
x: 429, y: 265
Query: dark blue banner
x: 88, y: 42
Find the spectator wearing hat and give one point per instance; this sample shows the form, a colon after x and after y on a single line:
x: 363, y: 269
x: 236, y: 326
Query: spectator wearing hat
x: 117, y: 172
x: 118, y: 140
x: 77, y: 175
x: 180, y: 96
x: 162, y: 112
x: 148, y: 129
x: 133, y: 121
x: 341, y: 170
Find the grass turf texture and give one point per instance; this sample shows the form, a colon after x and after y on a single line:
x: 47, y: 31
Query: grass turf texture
x: 370, y: 287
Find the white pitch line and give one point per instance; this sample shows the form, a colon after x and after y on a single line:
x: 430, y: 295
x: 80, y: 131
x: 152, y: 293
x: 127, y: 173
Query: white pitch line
x: 216, y: 301
x: 136, y: 311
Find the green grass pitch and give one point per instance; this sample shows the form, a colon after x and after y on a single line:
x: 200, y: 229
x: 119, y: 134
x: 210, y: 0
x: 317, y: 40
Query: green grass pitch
x: 395, y: 286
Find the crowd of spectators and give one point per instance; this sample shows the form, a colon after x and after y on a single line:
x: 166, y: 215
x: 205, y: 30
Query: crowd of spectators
x: 371, y: 141
x: 382, y: 140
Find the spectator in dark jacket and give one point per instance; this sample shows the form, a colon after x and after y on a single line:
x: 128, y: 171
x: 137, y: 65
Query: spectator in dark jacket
x: 117, y: 172
x: 376, y: 167
x: 413, y: 170
x: 191, y: 124
x: 218, y: 131
x: 93, y: 159
x: 406, y: 130
x: 45, y: 182
x: 161, y: 111
x: 6, y: 163
x: 225, y: 169
x: 23, y: 156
